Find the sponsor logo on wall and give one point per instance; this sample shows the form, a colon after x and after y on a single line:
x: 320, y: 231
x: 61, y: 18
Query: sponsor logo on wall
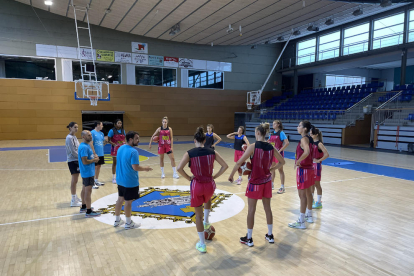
x: 104, y: 55
x: 139, y: 47
x: 185, y: 63
x: 123, y: 57
x: 171, y: 61
x: 155, y: 60
x: 140, y: 59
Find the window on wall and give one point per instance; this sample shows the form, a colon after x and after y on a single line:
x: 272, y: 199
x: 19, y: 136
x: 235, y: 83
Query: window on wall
x: 339, y: 80
x: 356, y: 39
x: 169, y: 77
x: 411, y: 27
x: 329, y: 45
x: 388, y: 31
x: 205, y: 79
x: 306, y: 51
x: 104, y: 71
x: 28, y: 68
x: 156, y: 76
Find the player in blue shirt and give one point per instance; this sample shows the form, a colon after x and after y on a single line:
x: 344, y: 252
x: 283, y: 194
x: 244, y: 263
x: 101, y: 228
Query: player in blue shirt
x: 127, y: 179
x: 98, y: 142
x: 87, y: 160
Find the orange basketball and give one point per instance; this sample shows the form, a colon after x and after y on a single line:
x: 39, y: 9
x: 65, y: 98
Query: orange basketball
x: 246, y: 168
x: 210, y: 233
x: 244, y: 147
x: 155, y: 138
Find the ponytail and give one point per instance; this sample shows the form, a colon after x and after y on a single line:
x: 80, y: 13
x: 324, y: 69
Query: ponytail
x: 199, y: 136
x: 307, y: 125
x: 316, y: 131
x: 263, y: 129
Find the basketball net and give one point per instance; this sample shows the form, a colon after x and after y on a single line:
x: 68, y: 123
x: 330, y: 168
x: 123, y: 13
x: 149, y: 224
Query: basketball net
x: 94, y: 100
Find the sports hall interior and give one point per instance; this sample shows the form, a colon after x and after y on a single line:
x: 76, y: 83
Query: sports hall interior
x: 346, y: 66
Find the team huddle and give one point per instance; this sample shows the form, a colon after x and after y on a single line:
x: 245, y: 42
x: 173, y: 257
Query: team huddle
x: 259, y: 161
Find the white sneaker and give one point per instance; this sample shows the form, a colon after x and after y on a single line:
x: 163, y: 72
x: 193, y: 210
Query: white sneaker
x: 132, y: 225
x: 176, y: 176
x: 119, y: 223
x: 162, y: 175
x: 95, y: 186
x: 239, y: 180
x: 75, y: 203
x: 114, y: 181
x: 78, y: 199
x: 99, y: 183
x: 309, y: 219
x: 297, y: 224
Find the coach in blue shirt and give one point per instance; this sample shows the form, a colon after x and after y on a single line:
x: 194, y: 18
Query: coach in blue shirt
x: 127, y: 179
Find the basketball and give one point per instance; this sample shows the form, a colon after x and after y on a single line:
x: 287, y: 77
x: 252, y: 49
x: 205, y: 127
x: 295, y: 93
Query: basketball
x: 244, y: 147
x: 209, y: 233
x: 155, y: 138
x: 246, y: 168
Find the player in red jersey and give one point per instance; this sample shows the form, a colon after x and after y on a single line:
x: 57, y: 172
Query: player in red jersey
x: 260, y: 180
x: 320, y: 153
x: 279, y: 140
x: 239, y: 140
x: 165, y: 145
x: 201, y: 162
x: 304, y: 175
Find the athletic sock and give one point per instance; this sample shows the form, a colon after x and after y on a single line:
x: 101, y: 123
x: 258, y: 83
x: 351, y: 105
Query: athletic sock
x: 128, y: 220
x: 269, y: 229
x: 282, y: 186
x: 73, y: 197
x: 88, y: 211
x: 206, y: 214
x: 240, y: 177
x: 174, y: 170
x: 308, y: 212
x: 313, y: 196
x: 114, y: 176
x: 162, y: 170
x: 117, y: 218
x: 302, y: 217
x: 83, y: 206
x: 202, y: 237
x: 249, y: 233
x: 319, y: 198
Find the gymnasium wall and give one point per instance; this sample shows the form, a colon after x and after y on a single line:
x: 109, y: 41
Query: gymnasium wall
x: 35, y: 109
x: 21, y: 30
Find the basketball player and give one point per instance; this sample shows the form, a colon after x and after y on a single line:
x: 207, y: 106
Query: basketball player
x: 211, y: 137
x: 239, y: 140
x: 260, y: 180
x: 202, y: 185
x: 116, y: 137
x: 320, y: 153
x: 127, y: 179
x: 165, y: 145
x: 87, y: 160
x: 304, y: 175
x: 97, y: 145
x: 279, y: 140
x: 72, y: 145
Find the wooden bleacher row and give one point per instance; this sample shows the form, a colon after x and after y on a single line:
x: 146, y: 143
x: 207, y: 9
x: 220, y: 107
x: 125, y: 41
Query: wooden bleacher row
x: 394, y: 138
x: 332, y: 134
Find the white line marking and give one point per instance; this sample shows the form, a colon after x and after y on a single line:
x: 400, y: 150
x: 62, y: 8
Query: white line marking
x: 48, y: 155
x: 40, y: 219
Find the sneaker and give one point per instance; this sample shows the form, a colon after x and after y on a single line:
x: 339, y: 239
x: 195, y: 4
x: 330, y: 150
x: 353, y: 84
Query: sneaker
x: 95, y: 186
x: 281, y: 190
x: 246, y: 241
x: 75, y: 203
x: 84, y: 210
x: 270, y: 238
x: 297, y: 224
x: 162, y: 175
x: 317, y: 205
x: 119, y: 223
x: 92, y: 215
x: 78, y: 199
x: 309, y: 219
x: 99, y: 183
x: 114, y: 181
x: 206, y: 225
x: 132, y: 225
x: 201, y: 247
x: 176, y: 176
x: 239, y: 180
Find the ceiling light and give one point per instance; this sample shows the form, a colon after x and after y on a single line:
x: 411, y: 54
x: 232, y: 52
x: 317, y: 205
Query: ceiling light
x: 175, y: 29
x: 108, y: 11
x: 280, y: 38
x: 48, y: 3
x: 312, y: 28
x: 330, y: 21
x: 357, y: 12
x: 253, y: 47
x: 297, y: 32
x: 386, y: 3
x: 267, y: 42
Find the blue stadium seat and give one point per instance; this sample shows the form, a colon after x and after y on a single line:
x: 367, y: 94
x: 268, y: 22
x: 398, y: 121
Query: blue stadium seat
x: 410, y: 117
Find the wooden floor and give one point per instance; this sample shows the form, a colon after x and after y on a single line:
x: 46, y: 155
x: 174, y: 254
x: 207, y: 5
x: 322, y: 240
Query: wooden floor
x: 365, y: 227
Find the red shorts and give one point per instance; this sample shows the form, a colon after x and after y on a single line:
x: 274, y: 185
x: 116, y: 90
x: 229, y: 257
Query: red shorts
x: 114, y: 150
x: 259, y: 191
x: 164, y: 149
x: 304, y: 178
x: 317, y: 168
x: 274, y: 158
x: 237, y: 155
x: 201, y: 192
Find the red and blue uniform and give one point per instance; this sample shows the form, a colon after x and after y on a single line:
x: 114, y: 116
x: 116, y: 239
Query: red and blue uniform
x: 238, y: 143
x: 260, y: 179
x: 305, y: 173
x: 164, y: 141
x: 276, y: 139
x: 317, y: 154
x: 202, y: 186
x: 118, y: 138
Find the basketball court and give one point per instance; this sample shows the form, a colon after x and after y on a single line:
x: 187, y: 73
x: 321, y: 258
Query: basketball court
x: 346, y: 66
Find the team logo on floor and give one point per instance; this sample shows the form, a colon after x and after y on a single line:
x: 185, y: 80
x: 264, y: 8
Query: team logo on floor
x: 169, y: 207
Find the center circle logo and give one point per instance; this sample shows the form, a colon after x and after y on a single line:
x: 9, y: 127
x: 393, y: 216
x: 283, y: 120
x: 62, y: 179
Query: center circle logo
x: 167, y: 207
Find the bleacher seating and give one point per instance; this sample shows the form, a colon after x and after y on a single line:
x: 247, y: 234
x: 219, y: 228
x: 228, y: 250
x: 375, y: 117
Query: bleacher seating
x: 410, y: 117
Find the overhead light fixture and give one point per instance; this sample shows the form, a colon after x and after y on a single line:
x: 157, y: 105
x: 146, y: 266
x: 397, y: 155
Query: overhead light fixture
x: 253, y: 47
x: 108, y: 11
x: 312, y: 28
x: 230, y: 29
x: 267, y: 42
x: 357, y: 12
x: 330, y: 21
x: 48, y: 3
x: 386, y: 3
x: 175, y: 29
x: 297, y: 32
x: 280, y: 38
x: 212, y: 44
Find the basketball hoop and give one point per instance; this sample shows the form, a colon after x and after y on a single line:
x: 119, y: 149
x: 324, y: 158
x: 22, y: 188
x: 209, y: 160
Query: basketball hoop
x: 94, y: 100
x: 249, y: 106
